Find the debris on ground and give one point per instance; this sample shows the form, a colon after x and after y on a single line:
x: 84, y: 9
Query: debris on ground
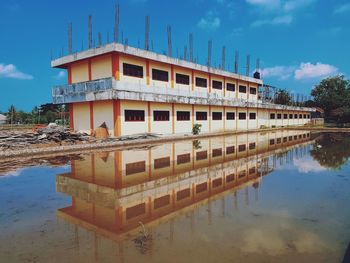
x: 43, y: 136
x: 101, y: 132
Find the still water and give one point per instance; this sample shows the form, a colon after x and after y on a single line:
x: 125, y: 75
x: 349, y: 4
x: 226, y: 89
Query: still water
x: 259, y: 197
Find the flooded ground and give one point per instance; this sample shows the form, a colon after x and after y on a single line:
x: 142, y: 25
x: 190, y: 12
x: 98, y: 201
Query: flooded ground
x: 259, y: 197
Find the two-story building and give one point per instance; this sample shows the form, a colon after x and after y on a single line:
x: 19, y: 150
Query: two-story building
x: 137, y: 91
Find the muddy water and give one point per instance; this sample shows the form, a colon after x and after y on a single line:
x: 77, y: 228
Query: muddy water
x: 265, y: 197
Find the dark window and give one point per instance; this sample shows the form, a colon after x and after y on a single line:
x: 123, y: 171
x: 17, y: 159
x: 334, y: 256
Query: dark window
x: 135, y: 211
x: 217, y: 84
x: 217, y: 152
x: 251, y: 170
x: 300, y: 136
x: 201, y: 155
x: 242, y: 148
x: 252, y: 146
x: 252, y: 115
x: 160, y: 115
x: 295, y: 116
x: 290, y: 138
x: 242, y: 89
x: 161, y: 201
x: 272, y: 116
x: 183, y: 158
x: 134, y: 168
x: 300, y: 116
x: 252, y: 91
x: 217, y: 182
x: 290, y: 116
x: 183, y: 194
x: 201, y: 115
x: 304, y: 116
x: 200, y: 82
x: 161, y: 162
x: 308, y: 116
x: 295, y: 137
x: 242, y: 115
x: 279, y: 116
x: 230, y: 86
x: 183, y: 115
x: 182, y: 79
x: 242, y: 174
x: 279, y: 140
x: 201, y: 187
x: 285, y: 139
x: 272, y: 141
x: 217, y: 116
x: 285, y: 116
x: 134, y: 115
x: 304, y: 135
x: 230, y: 115
x: 132, y: 70
x: 230, y: 178
x: 160, y: 75
x: 230, y: 149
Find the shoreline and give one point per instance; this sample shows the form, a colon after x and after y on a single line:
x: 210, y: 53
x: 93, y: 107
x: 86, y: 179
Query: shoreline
x: 88, y: 147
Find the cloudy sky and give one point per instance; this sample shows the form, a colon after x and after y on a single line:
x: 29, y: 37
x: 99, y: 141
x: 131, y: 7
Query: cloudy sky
x: 298, y: 42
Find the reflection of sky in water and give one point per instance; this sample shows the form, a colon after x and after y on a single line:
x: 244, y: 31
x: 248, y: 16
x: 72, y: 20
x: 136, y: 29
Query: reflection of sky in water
x: 299, y: 213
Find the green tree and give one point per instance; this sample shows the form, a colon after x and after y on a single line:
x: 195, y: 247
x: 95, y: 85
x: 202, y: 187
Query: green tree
x: 283, y: 97
x: 333, y: 96
x: 12, y: 114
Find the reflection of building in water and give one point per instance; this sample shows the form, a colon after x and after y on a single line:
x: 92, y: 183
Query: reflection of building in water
x: 114, y: 191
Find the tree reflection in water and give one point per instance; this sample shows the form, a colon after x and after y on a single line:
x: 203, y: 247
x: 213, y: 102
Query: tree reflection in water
x: 332, y: 150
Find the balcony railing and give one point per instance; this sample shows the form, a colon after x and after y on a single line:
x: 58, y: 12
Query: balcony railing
x: 78, y: 92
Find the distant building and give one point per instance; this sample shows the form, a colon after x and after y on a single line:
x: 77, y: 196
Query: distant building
x: 2, y: 119
x: 136, y: 91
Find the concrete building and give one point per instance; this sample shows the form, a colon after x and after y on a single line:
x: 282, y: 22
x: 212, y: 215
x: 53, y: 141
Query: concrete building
x: 2, y: 119
x: 113, y: 191
x: 137, y: 91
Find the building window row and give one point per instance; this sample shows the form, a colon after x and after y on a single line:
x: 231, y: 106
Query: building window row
x: 289, y: 116
x: 163, y: 75
x: 160, y: 115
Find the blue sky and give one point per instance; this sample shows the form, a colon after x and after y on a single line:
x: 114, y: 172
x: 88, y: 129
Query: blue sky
x: 298, y: 41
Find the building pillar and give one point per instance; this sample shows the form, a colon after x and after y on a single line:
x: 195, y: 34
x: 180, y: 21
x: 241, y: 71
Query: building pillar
x: 209, y: 86
x: 117, y: 118
x: 91, y: 107
x: 192, y: 116
x: 172, y: 76
x: 224, y: 86
x: 71, y: 116
x: 192, y: 79
x: 147, y: 72
x: 173, y: 117
x: 89, y: 69
x: 69, y: 69
x: 149, y: 116
x: 115, y: 66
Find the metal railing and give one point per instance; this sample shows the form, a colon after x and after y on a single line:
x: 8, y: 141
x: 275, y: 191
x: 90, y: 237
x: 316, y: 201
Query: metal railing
x: 83, y: 87
x: 95, y: 86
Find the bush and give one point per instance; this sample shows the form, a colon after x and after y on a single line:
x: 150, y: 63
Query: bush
x: 196, y: 128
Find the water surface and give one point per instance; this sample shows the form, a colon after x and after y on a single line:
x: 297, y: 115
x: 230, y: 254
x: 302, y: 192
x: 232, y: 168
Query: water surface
x: 259, y: 197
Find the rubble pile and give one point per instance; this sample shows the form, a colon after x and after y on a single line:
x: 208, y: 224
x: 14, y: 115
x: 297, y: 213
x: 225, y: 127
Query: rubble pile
x: 48, y: 135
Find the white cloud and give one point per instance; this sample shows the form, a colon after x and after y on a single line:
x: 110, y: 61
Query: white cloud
x: 279, y: 20
x: 281, y: 72
x: 296, y: 4
x: 307, y: 166
x: 60, y: 75
x: 309, y: 70
x: 210, y: 22
x: 282, y: 12
x: 10, y: 71
x: 341, y: 9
